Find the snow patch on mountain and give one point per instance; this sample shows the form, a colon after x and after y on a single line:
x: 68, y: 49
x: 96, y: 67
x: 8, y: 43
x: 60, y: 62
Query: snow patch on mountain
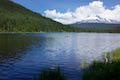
x: 97, y: 19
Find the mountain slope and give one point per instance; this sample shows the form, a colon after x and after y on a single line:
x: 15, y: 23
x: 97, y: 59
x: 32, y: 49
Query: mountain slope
x: 16, y: 18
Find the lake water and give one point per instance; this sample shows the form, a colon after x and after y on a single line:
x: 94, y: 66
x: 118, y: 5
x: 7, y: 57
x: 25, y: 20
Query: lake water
x: 23, y: 56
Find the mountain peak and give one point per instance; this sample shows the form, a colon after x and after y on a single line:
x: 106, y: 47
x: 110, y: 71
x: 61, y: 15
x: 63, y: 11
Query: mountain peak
x: 97, y: 19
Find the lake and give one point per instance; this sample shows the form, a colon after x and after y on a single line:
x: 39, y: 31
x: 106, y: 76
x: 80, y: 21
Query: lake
x: 24, y: 55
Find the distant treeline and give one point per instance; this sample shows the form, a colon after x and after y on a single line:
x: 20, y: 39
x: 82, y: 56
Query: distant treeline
x: 113, y: 30
x: 98, y: 27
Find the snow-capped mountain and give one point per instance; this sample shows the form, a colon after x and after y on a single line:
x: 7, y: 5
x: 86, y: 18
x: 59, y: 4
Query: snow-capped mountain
x: 97, y: 23
x: 97, y: 19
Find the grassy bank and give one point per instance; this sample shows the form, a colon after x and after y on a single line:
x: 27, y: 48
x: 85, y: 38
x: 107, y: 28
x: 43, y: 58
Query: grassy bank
x: 103, y: 70
x: 52, y: 74
x: 116, y: 55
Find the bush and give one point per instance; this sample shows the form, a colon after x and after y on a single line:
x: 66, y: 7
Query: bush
x: 104, y: 71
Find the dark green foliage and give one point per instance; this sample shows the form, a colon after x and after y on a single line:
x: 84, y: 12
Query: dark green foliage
x: 15, y: 18
x: 52, y: 74
x: 102, y: 71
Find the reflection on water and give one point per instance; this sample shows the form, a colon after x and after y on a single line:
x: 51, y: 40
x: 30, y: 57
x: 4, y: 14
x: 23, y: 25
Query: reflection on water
x: 24, y: 55
x: 14, y: 45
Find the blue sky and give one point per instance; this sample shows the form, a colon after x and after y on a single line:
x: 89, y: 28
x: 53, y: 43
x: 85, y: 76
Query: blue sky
x: 72, y: 11
x: 60, y: 5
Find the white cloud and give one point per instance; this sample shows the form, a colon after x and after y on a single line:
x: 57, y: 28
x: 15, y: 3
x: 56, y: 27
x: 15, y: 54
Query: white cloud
x: 90, y: 11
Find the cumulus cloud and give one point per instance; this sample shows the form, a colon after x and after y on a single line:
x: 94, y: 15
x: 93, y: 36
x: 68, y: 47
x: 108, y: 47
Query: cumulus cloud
x: 86, y: 12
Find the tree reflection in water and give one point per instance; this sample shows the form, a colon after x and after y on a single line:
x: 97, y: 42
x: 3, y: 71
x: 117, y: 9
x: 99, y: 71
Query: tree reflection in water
x: 12, y: 46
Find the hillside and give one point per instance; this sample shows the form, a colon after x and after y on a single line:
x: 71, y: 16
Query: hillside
x: 16, y: 18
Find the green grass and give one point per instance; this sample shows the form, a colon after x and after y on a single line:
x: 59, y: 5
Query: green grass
x: 116, y: 55
x: 101, y: 71
x: 104, y: 71
x: 52, y: 74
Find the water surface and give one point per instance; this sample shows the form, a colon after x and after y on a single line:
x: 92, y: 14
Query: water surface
x: 23, y: 56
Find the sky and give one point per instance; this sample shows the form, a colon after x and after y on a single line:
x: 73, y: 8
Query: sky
x: 71, y: 11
